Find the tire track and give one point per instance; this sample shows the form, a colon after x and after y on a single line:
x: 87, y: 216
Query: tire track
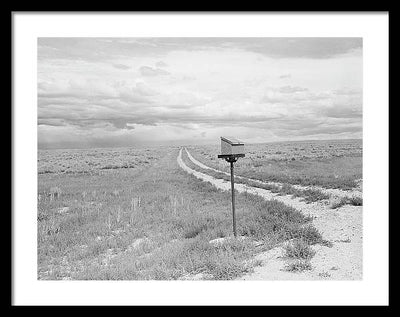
x: 329, y: 191
x: 315, y: 209
x: 342, y: 226
x: 266, y: 194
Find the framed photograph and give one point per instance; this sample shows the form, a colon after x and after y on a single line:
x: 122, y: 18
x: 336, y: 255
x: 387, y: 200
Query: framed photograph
x: 200, y: 158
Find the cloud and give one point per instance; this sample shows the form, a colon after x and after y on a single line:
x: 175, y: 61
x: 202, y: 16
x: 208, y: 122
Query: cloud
x: 75, y: 88
x: 121, y: 124
x: 290, y: 89
x: 188, y: 78
x: 133, y: 96
x: 89, y: 104
x: 103, y: 49
x: 144, y: 90
x: 271, y: 98
x: 121, y: 66
x: 108, y: 89
x: 347, y: 91
x: 317, y: 48
x: 149, y: 71
x: 321, y: 130
x: 55, y: 122
x: 293, y: 108
x: 85, y: 92
x: 340, y: 111
x: 161, y: 64
x: 97, y: 49
x: 291, y: 95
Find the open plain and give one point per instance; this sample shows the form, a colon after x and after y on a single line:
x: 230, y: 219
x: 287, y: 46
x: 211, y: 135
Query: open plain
x: 165, y: 213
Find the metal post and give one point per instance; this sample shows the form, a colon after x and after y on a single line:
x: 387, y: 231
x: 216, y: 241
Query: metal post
x: 233, y: 198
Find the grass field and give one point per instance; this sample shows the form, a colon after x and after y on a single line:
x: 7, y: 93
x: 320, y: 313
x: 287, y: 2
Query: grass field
x: 329, y: 164
x: 94, y: 160
x: 152, y: 222
x: 134, y: 214
x: 308, y: 195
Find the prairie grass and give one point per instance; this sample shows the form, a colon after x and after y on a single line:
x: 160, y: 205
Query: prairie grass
x: 154, y: 222
x: 298, y: 266
x: 339, y: 202
x: 355, y: 201
x: 298, y: 249
x: 94, y: 161
x: 329, y: 164
x: 308, y: 195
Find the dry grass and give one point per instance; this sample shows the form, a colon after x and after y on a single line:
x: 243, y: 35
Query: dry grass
x: 89, y: 161
x: 339, y: 202
x: 153, y: 222
x: 299, y: 249
x: 330, y: 164
x: 298, y: 266
x: 308, y: 195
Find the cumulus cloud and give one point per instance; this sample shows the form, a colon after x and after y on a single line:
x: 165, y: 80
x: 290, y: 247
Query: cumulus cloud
x: 144, y: 90
x: 289, y: 95
x: 133, y: 96
x: 75, y: 88
x: 213, y: 86
x: 121, y: 66
x: 340, y: 111
x: 90, y: 91
x: 149, y: 71
x: 161, y: 64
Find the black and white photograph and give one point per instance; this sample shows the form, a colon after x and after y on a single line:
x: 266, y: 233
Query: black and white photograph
x: 200, y: 159
x: 130, y: 185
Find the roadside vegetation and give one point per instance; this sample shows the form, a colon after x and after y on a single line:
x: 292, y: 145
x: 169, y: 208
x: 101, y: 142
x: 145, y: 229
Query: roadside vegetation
x: 308, y: 195
x: 328, y: 164
x: 154, y: 222
x: 299, y: 249
x: 339, y: 202
x: 94, y: 161
x: 298, y: 266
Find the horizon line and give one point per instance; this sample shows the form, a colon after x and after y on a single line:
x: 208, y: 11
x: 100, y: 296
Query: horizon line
x: 182, y: 144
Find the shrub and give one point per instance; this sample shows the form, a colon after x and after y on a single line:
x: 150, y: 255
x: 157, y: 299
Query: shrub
x: 313, y: 195
x: 298, y: 266
x: 326, y: 243
x: 337, y: 202
x: 356, y: 201
x: 299, y: 249
x: 309, y: 234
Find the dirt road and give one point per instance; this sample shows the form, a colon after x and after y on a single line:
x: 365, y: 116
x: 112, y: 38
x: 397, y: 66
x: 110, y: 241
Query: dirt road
x: 330, y: 191
x: 341, y: 226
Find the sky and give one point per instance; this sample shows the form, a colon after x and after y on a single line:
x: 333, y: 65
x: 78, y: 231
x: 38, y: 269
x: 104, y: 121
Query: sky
x: 116, y: 92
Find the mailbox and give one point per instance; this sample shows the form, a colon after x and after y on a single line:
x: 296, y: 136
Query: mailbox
x: 231, y: 146
x: 231, y: 150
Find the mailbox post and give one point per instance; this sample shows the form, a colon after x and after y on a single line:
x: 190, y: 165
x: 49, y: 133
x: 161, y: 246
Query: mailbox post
x: 231, y: 150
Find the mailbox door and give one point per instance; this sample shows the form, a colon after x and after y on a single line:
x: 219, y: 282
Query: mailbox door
x: 226, y: 148
x: 237, y: 149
